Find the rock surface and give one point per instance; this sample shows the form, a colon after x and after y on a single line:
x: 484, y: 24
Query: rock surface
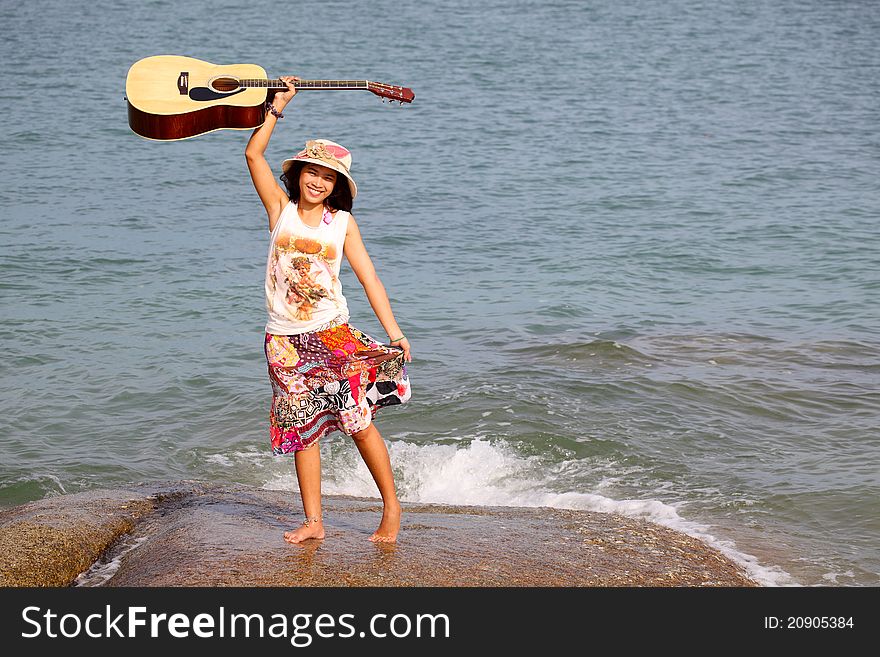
x: 198, y: 534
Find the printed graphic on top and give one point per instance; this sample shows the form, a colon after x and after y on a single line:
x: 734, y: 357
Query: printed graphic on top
x: 302, y: 274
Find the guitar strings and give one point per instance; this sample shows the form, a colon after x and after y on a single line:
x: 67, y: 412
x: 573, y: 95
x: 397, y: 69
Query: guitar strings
x: 277, y: 83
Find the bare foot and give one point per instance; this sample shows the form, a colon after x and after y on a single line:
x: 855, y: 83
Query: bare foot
x: 390, y: 525
x: 312, y: 530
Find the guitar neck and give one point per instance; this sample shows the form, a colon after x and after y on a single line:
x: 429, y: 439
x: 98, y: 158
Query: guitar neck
x: 306, y: 84
x: 226, y: 84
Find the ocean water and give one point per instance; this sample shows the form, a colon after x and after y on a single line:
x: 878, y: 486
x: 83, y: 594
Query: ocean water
x: 634, y: 246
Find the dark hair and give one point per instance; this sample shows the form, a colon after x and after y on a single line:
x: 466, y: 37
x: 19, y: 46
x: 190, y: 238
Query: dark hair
x: 340, y: 197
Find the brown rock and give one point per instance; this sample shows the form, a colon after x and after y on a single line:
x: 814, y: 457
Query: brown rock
x: 195, y: 534
x: 49, y: 542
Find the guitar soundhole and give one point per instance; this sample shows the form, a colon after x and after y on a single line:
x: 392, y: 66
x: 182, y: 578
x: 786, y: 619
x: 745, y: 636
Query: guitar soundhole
x: 225, y: 84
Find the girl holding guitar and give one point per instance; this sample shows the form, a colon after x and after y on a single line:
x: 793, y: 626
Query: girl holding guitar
x: 326, y: 375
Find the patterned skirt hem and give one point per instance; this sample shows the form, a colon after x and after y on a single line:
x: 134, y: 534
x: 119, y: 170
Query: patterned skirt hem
x: 328, y: 380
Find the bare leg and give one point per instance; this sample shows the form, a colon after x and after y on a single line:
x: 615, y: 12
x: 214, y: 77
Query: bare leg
x: 308, y: 474
x: 372, y: 448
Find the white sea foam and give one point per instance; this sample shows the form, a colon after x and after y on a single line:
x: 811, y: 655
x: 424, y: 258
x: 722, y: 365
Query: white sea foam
x: 484, y: 473
x: 832, y: 578
x: 219, y: 459
x: 103, y: 569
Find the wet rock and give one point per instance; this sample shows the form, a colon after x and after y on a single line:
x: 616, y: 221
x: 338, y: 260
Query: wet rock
x: 196, y: 534
x: 50, y: 542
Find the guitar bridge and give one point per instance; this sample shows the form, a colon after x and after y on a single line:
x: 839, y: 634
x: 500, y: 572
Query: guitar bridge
x: 183, y: 83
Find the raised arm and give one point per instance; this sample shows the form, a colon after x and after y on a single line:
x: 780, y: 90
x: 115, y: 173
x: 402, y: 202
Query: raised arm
x: 273, y: 195
x: 362, y: 266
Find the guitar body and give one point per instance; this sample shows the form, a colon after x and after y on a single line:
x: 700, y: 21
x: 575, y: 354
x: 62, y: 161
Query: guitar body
x: 171, y: 97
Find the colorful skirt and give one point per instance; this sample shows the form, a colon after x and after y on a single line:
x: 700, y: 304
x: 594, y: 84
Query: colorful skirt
x: 335, y: 378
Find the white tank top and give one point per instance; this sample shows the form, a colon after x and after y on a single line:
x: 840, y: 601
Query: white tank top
x: 303, y: 292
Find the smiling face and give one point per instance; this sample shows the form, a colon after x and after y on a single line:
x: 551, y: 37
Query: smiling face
x: 316, y: 183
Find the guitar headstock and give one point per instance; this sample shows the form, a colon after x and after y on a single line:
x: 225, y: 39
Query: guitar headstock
x: 392, y: 92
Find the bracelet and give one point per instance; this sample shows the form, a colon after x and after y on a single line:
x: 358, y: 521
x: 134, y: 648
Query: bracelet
x: 274, y: 112
x: 398, y: 339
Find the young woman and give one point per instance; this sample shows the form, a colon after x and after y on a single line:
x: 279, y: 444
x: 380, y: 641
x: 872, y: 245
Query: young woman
x: 326, y: 375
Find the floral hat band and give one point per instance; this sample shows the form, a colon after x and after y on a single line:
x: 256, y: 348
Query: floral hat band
x: 327, y: 151
x: 328, y: 154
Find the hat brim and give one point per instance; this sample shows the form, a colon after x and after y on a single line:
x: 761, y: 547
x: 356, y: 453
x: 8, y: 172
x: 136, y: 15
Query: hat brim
x: 285, y: 167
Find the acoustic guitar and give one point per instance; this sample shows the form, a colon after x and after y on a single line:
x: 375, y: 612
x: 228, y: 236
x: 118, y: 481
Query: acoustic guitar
x: 171, y: 97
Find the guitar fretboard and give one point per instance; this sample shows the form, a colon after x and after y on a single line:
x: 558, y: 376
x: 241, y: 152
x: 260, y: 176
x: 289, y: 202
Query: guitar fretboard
x: 306, y: 84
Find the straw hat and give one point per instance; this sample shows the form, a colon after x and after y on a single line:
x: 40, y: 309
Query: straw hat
x: 328, y: 154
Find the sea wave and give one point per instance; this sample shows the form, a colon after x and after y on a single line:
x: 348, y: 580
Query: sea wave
x: 484, y: 473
